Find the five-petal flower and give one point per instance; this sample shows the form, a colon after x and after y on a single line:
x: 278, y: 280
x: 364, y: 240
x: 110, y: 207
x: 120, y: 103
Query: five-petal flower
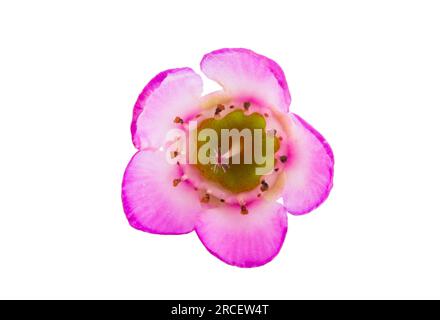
x: 233, y: 211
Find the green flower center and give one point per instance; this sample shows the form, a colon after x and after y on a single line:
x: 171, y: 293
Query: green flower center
x: 239, y: 157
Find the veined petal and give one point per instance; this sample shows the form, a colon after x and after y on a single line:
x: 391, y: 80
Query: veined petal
x: 309, y: 170
x: 151, y: 201
x: 244, y: 240
x: 244, y: 73
x: 172, y: 93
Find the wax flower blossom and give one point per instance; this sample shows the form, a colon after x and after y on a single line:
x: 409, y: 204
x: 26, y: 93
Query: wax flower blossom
x: 219, y: 164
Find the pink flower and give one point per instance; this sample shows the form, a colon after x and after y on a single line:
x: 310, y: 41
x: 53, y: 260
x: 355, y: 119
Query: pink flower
x: 234, y: 211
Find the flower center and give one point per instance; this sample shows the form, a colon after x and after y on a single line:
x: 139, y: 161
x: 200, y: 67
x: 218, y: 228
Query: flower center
x: 235, y: 151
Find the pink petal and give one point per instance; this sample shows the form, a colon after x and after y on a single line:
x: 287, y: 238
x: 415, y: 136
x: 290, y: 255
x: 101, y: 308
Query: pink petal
x: 172, y: 93
x: 150, y: 200
x: 309, y: 170
x: 244, y: 240
x: 247, y: 74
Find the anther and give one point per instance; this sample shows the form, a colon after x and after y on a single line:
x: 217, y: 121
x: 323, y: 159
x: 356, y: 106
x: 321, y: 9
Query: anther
x: 231, y: 106
x: 176, y: 182
x: 264, y: 186
x: 244, y: 210
x: 246, y: 105
x: 283, y: 159
x: 178, y: 120
x: 219, y: 109
x: 205, y: 198
x: 174, y: 154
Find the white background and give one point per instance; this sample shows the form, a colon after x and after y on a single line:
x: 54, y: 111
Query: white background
x: 364, y: 73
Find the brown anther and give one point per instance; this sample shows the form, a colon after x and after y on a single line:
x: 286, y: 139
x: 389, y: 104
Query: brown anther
x: 259, y: 195
x: 174, y: 154
x: 198, y: 116
x: 280, y: 138
x: 276, y: 169
x: 244, y: 210
x: 264, y: 186
x: 178, y: 120
x: 219, y: 109
x: 231, y: 106
x: 222, y: 200
x: 246, y: 105
x: 176, y: 182
x: 205, y: 198
x: 283, y: 159
x: 266, y: 115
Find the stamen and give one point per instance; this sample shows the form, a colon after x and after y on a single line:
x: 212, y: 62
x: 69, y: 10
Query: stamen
x: 219, y: 109
x: 283, y: 159
x: 174, y: 154
x: 264, y: 186
x: 247, y: 105
x: 244, y: 210
x: 178, y: 120
x: 232, y: 107
x: 266, y: 115
x: 222, y: 200
x: 176, y: 182
x: 276, y: 169
x: 205, y: 198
